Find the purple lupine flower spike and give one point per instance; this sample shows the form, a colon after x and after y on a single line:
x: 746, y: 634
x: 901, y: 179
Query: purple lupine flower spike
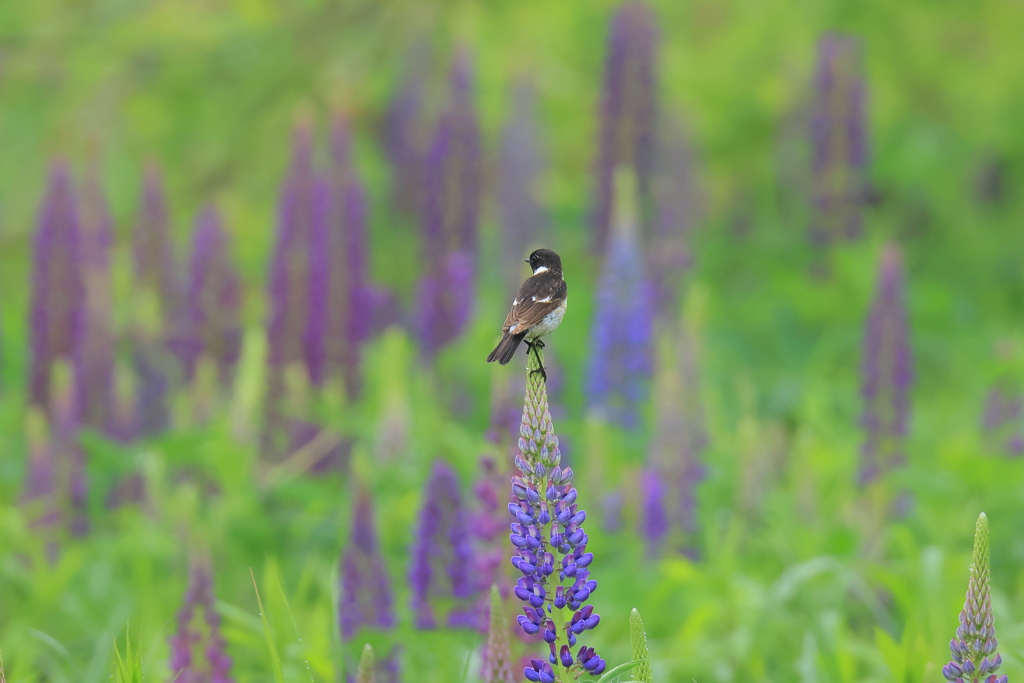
x: 680, y: 434
x: 974, y: 656
x: 655, y: 524
x: 450, y: 216
x: 365, y: 597
x: 94, y: 360
x: 294, y: 343
x: 348, y: 296
x: 887, y: 371
x: 157, y: 298
x: 677, y: 206
x: 628, y: 110
x: 620, y: 362
x: 838, y: 140
x: 488, y: 529
x: 198, y: 651
x: 442, y: 553
x: 211, y: 325
x: 551, y: 545
x: 520, y: 164
x: 402, y: 135
x: 57, y: 316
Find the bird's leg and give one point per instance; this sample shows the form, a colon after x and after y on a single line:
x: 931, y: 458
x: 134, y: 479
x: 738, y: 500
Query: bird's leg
x: 536, y: 346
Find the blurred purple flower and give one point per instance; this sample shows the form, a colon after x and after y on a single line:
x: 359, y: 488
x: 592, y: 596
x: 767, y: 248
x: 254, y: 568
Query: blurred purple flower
x: 366, y: 598
x: 94, y: 360
x: 450, y: 216
x: 628, y: 110
x: 56, y: 484
x: 521, y: 163
x: 442, y: 553
x: 402, y: 134
x: 621, y: 335
x: 341, y: 298
x: 655, y: 524
x: 211, y: 321
x: 1001, y: 417
x: 680, y: 434
x: 677, y: 206
x: 157, y: 299
x: 198, y: 651
x: 58, y: 310
x: 887, y: 371
x: 839, y: 140
x: 489, y: 515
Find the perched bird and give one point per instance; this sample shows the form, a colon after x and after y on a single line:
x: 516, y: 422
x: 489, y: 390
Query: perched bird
x: 537, y: 310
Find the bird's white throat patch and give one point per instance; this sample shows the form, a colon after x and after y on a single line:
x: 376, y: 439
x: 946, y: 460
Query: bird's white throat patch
x: 540, y: 269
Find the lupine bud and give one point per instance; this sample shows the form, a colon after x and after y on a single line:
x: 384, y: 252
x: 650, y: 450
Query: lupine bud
x: 839, y: 140
x: 365, y: 595
x: 365, y: 673
x: 887, y: 371
x: 628, y: 110
x: 58, y: 296
x: 620, y: 362
x: 198, y: 651
x: 442, y: 553
x: 975, y: 641
x: 638, y: 641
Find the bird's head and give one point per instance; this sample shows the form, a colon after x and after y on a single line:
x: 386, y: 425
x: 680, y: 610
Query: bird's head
x: 544, y: 260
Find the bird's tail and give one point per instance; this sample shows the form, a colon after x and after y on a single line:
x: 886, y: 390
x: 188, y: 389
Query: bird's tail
x: 506, y: 348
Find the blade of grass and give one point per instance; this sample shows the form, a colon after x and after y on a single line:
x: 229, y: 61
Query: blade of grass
x: 288, y: 608
x: 275, y: 659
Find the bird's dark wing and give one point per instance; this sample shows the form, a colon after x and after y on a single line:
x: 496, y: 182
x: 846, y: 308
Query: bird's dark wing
x: 538, y: 296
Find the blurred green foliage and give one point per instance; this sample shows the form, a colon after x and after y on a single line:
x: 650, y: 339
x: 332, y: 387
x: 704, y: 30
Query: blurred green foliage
x: 791, y: 584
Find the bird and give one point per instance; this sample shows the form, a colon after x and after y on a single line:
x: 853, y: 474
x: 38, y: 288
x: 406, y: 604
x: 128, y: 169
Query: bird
x: 537, y: 309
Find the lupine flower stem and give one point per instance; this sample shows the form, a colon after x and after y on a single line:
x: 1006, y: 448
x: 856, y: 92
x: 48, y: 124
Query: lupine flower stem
x: 549, y: 524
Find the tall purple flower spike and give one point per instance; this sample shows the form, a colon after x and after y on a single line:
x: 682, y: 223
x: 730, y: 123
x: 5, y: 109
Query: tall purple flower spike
x: 628, y: 110
x: 57, y: 319
x: 489, y: 502
x: 442, y: 553
x: 838, y: 140
x: 621, y: 336
x: 520, y: 164
x: 56, y: 482
x: 402, y: 134
x: 211, y: 321
x: 302, y: 212
x: 341, y: 298
x: 198, y: 651
x: 655, y: 525
x: 450, y: 216
x: 94, y: 360
x: 366, y: 598
x: 887, y: 371
x: 677, y: 207
x: 550, y: 545
x: 158, y: 289
x: 680, y: 437
x: 974, y: 656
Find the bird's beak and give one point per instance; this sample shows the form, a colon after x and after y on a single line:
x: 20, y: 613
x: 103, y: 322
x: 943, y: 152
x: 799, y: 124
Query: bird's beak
x: 527, y: 260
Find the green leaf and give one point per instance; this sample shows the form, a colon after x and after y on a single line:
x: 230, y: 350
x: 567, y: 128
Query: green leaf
x: 275, y: 659
x: 614, y: 671
x: 127, y: 669
x: 638, y: 642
